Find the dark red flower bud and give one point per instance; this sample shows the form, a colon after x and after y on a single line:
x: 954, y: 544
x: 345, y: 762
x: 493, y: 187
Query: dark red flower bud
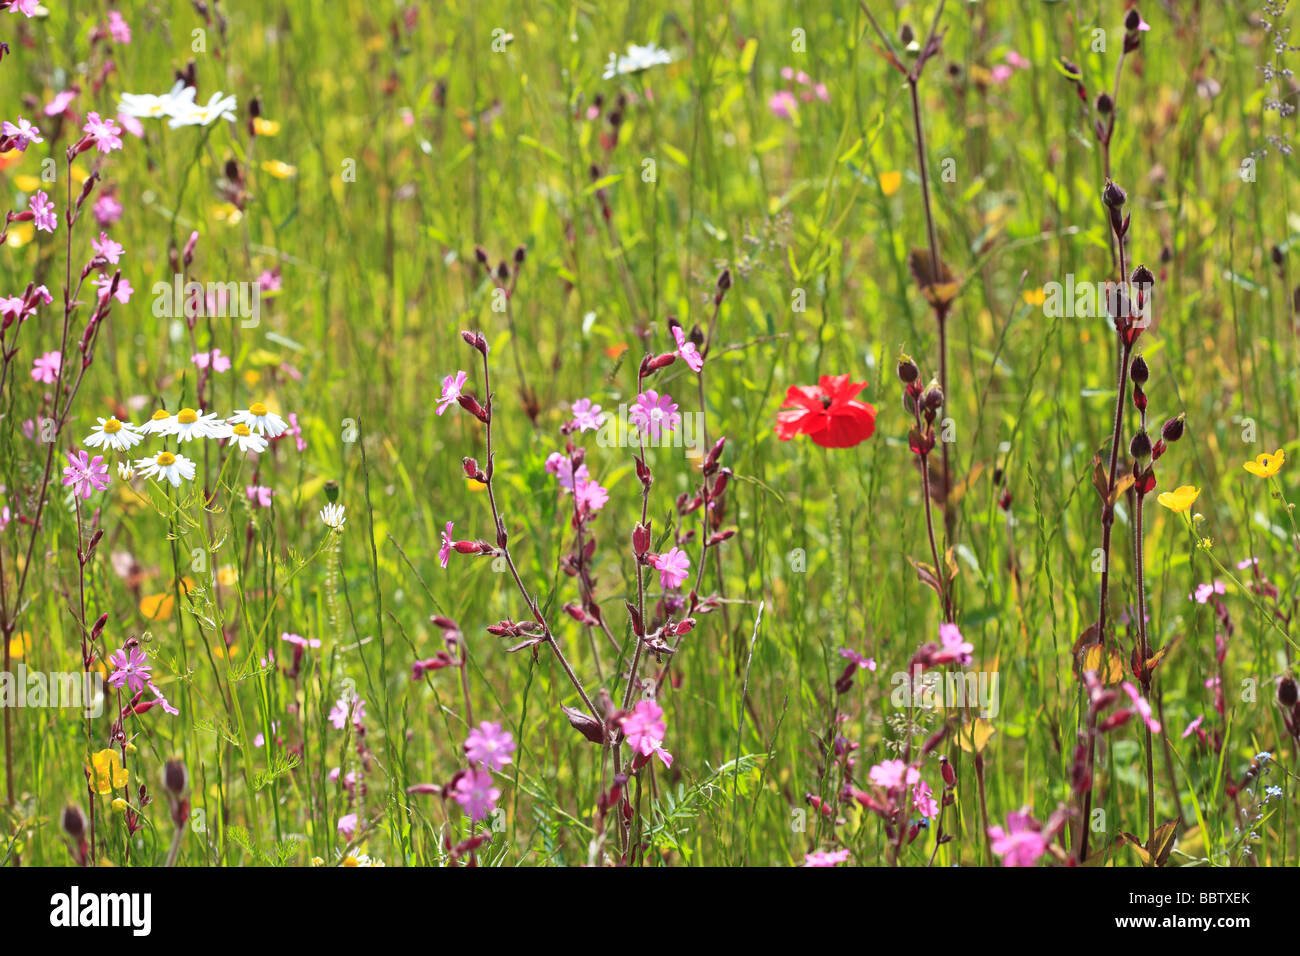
x: 1172, y: 430
x: 1113, y: 196
x: 1139, y: 371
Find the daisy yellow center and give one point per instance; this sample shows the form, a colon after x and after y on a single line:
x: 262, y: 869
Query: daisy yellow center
x: 112, y: 426
x: 257, y: 409
x: 241, y: 429
x: 160, y: 415
x: 165, y: 458
x: 187, y: 416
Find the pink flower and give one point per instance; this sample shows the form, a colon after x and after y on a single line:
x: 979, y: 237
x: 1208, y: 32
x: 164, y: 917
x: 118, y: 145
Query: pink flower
x: 131, y: 125
x: 260, y: 495
x: 893, y: 775
x: 476, y: 794
x: 105, y: 283
x: 46, y: 368
x: 107, y: 210
x: 673, y: 567
x: 295, y: 430
x: 1245, y: 563
x: 867, y: 663
x: 687, y: 351
x: 106, y: 134
x: 43, y: 212
x: 1021, y: 843
x: 1142, y: 707
x: 825, y: 857
x: 86, y: 475
x: 489, y: 746
x: 131, y: 668
x: 344, y: 705
x: 451, y: 387
x: 444, y: 553
x: 923, y: 800
x: 118, y: 28
x: 653, y: 412
x: 348, y: 826
x: 1193, y: 726
x: 60, y: 102
x: 297, y: 640
x: 107, y: 248
x: 1017, y: 61
x: 586, y: 416
x: 214, y: 360
x: 562, y: 467
x: 644, y: 729
x: 1203, y: 591
x: 25, y: 133
x: 589, y: 495
x: 955, y: 647
x: 783, y: 104
x: 1001, y: 73
x: 269, y: 280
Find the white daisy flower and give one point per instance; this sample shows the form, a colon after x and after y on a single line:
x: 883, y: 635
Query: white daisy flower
x: 333, y: 517
x: 218, y: 107
x: 166, y: 466
x: 191, y: 425
x: 261, y: 421
x: 242, y: 436
x: 638, y: 58
x: 116, y: 435
x: 177, y: 102
x: 125, y: 471
x: 162, y: 422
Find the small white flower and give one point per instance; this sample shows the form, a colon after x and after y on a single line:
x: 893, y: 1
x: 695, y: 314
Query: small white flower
x: 125, y: 471
x: 162, y: 422
x: 167, y: 467
x: 333, y: 517
x: 260, y: 421
x: 177, y: 102
x: 191, y: 425
x: 218, y: 107
x: 116, y: 435
x: 638, y: 58
x: 242, y: 436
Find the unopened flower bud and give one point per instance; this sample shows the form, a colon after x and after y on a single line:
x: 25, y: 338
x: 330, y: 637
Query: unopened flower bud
x: 932, y: 400
x: 1139, y: 370
x: 1142, y: 277
x: 332, y: 491
x: 1288, y: 692
x: 1113, y: 195
x: 1173, y: 429
x: 1132, y: 20
x: 175, y: 778
x: 1104, y: 103
x: 74, y: 821
x: 1140, y: 446
x: 908, y: 372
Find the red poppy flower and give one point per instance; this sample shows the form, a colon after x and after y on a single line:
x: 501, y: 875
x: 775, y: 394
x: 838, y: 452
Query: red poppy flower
x: 827, y: 413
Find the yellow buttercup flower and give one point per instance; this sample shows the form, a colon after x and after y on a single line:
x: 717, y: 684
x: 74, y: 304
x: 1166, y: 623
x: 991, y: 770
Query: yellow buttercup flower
x: 107, y: 772
x: 1180, y: 499
x: 265, y: 127
x: 1266, y: 465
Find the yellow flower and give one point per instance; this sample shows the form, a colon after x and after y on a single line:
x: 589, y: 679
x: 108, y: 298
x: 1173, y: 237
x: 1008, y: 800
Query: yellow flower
x: 889, y: 182
x: 107, y: 771
x: 119, y: 805
x: 1266, y: 465
x: 279, y: 170
x: 18, y: 644
x: 1034, y: 297
x: 265, y: 127
x: 1180, y: 499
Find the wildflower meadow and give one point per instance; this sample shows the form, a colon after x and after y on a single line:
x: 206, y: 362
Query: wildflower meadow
x: 845, y: 434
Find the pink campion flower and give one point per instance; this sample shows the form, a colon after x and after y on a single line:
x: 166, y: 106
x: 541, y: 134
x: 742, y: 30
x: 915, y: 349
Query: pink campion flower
x: 60, y: 102
x: 24, y: 131
x: 118, y: 28
x: 106, y: 247
x: 825, y: 857
x: 865, y: 663
x: 259, y: 495
x: 297, y: 640
x: 444, y: 553
x: 107, y: 210
x: 269, y: 280
x: 214, y: 360
x: 589, y: 494
x: 1203, y: 591
x: 342, y: 706
x: 1017, y: 61
x: 489, y: 746
x: 644, y: 729
x: 451, y: 386
x: 893, y: 775
x: 1001, y: 73
x: 295, y: 430
x: 1021, y: 843
x: 687, y: 351
x: 1193, y: 726
x: 5, y: 517
x: 43, y: 212
x: 673, y: 566
x: 131, y: 125
x: 654, y: 412
x: 260, y: 739
x: 12, y: 306
x: 955, y: 647
x: 1245, y: 563
x: 923, y: 800
x: 124, y: 290
x: 822, y: 93
x: 106, y: 134
x: 1142, y: 707
x: 586, y: 416
x: 45, y: 368
x: 347, y: 826
x: 85, y: 475
x: 476, y: 794
x: 130, y: 669
x: 28, y: 8
x: 561, y: 466
x: 783, y: 104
